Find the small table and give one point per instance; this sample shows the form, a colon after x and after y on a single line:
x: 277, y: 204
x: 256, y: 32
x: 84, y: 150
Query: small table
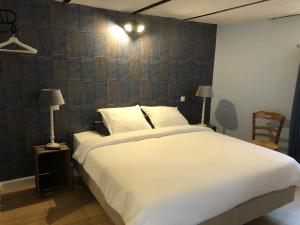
x: 53, y: 168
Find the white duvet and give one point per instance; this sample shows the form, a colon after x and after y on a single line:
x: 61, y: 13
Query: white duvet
x: 181, y: 175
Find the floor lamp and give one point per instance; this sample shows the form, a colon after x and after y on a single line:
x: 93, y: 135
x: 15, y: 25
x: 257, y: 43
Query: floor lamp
x: 204, y: 91
x: 51, y: 98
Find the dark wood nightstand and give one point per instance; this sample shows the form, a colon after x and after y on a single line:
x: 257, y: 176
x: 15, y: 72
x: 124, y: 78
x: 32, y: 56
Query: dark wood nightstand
x: 53, y: 168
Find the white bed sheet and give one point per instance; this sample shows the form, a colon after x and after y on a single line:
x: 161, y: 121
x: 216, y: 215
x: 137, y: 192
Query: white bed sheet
x: 182, y: 175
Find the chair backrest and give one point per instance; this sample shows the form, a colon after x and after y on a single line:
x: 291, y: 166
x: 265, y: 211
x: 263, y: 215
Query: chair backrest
x: 273, y: 132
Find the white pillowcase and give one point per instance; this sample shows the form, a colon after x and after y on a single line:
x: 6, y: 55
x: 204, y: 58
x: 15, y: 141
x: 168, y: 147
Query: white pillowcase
x: 164, y: 116
x: 124, y: 119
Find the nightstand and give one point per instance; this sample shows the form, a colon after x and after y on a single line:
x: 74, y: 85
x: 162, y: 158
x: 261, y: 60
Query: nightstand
x: 53, y: 168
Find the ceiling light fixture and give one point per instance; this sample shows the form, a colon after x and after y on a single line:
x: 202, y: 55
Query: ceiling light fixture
x: 134, y: 27
x: 128, y: 27
x: 140, y: 28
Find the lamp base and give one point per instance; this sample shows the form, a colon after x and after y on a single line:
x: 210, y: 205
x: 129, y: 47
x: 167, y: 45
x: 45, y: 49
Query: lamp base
x: 202, y: 125
x: 53, y: 146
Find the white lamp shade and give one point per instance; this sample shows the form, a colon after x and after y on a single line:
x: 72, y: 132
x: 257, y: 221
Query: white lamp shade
x: 204, y: 91
x: 51, y: 97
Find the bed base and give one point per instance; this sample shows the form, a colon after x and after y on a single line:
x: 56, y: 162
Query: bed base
x: 239, y: 215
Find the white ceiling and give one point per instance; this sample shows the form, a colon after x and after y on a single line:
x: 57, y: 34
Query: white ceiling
x: 182, y: 9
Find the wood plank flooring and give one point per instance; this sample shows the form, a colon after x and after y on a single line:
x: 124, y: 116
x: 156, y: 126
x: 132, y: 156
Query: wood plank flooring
x: 79, y: 207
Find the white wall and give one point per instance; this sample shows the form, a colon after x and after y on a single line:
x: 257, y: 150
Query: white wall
x: 256, y: 67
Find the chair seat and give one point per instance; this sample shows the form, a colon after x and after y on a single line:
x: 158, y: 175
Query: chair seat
x: 265, y: 144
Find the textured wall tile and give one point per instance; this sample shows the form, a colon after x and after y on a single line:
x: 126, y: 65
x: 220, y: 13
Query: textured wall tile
x: 41, y: 15
x: 10, y: 71
x: 134, y: 48
x: 164, y: 70
x: 134, y: 92
x: 74, y: 68
x: 15, y: 123
x: 3, y: 124
x: 174, y: 49
x: 74, y: 43
x: 13, y: 92
x: 73, y: 16
x: 101, y: 93
x: 144, y: 70
x: 124, y: 91
x: 154, y: 70
x: 75, y: 118
x: 112, y: 46
x: 164, y: 49
x: 124, y: 50
x: 87, y: 45
x: 155, y: 90
x: 123, y: 70
x: 145, y: 48
x: 28, y: 34
x: 113, y: 91
x: 2, y: 97
x: 100, y: 45
x: 44, y: 68
x: 99, y: 21
x: 88, y: 92
x: 75, y: 92
x: 24, y: 11
x: 100, y: 69
x: 28, y: 69
x: 31, y: 91
x: 62, y: 118
x: 112, y: 69
x: 88, y: 116
x: 59, y: 42
x: 87, y: 69
x: 86, y: 19
x: 172, y: 89
x: 144, y: 90
x: 31, y: 120
x: 134, y: 70
x: 58, y: 16
x: 60, y: 68
x: 45, y: 42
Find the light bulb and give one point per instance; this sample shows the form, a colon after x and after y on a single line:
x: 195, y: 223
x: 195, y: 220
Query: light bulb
x: 128, y: 27
x: 140, y: 28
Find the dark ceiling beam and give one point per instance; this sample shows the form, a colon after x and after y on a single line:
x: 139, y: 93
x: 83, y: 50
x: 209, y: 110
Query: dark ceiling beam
x: 281, y: 17
x: 229, y: 9
x: 150, y: 6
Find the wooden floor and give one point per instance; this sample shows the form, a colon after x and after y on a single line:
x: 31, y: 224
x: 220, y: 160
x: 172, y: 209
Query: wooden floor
x: 78, y: 207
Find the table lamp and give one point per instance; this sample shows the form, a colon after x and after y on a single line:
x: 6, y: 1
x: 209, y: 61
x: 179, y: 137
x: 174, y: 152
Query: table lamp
x: 53, y: 99
x: 204, y: 91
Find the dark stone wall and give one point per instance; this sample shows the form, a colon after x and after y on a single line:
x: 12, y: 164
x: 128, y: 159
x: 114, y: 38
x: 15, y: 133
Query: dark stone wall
x: 80, y: 55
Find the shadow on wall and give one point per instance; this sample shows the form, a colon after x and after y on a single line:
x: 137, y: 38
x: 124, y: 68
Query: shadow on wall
x: 226, y: 115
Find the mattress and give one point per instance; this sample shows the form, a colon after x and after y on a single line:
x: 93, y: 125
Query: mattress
x: 181, y: 175
x: 79, y: 138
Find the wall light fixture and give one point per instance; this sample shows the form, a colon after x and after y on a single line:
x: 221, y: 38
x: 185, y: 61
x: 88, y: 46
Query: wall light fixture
x: 134, y: 27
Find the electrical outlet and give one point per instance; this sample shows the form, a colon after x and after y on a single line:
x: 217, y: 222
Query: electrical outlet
x: 182, y: 98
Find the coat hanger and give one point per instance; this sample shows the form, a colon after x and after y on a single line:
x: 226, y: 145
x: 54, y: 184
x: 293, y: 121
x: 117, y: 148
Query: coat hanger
x: 8, y: 17
x: 13, y: 40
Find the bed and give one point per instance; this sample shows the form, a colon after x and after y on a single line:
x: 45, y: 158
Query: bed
x: 184, y: 175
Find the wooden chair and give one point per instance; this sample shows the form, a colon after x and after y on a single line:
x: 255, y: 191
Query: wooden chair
x: 267, y: 131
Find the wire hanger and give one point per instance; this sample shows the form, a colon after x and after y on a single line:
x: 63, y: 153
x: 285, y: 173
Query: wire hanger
x: 8, y: 17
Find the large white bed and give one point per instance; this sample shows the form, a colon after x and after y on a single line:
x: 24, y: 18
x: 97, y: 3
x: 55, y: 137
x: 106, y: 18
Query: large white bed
x: 181, y: 175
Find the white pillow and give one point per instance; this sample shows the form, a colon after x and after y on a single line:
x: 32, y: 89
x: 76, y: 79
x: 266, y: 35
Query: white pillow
x: 164, y: 116
x: 124, y: 119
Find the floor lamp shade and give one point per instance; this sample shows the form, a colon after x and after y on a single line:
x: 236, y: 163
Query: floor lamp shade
x: 51, y: 98
x: 204, y: 91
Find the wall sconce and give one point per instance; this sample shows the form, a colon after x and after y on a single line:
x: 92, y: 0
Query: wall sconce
x: 134, y: 27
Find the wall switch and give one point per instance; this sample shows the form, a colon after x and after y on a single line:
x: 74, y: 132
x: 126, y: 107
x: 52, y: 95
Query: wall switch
x: 182, y: 98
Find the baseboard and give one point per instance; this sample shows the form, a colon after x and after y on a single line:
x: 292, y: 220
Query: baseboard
x: 17, y: 184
